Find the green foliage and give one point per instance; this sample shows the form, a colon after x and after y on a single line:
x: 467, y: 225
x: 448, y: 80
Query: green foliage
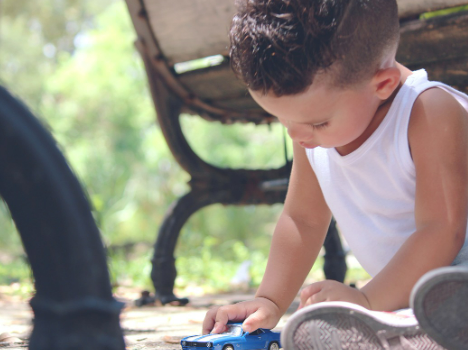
x: 245, y: 146
x: 132, y: 269
x: 57, y: 22
x: 34, y: 34
x: 100, y: 111
x: 444, y: 12
x: 14, y: 270
x: 214, y: 272
x: 7, y: 236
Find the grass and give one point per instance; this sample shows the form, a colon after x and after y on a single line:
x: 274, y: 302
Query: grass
x: 14, y: 271
x: 444, y: 12
x: 208, y: 273
x: 17, y: 275
x: 199, y: 274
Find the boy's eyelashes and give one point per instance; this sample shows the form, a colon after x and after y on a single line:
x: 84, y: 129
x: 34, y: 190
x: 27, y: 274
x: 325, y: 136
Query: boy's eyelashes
x: 319, y: 126
x: 316, y: 126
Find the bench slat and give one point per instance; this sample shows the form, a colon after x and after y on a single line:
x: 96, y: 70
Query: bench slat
x: 424, y: 44
x: 452, y: 72
x: 191, y: 29
x: 434, y: 40
x: 214, y: 83
x: 190, y: 26
x: 245, y: 103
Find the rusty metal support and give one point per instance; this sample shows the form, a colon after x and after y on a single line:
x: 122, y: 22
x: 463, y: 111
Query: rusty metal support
x: 73, y: 305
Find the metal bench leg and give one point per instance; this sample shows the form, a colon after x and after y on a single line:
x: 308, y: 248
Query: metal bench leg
x: 335, y: 257
x: 164, y: 271
x: 73, y: 305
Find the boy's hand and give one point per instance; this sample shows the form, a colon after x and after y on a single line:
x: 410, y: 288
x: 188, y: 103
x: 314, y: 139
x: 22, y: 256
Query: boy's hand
x: 332, y: 291
x: 257, y: 313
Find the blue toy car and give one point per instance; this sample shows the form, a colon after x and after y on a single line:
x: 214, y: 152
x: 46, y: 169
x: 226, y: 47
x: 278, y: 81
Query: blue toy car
x: 234, y: 338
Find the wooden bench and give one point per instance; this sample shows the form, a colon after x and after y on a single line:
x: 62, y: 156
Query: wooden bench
x: 174, y: 33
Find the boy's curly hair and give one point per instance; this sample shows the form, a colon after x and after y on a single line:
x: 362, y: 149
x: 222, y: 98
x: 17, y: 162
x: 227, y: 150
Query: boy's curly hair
x: 280, y: 45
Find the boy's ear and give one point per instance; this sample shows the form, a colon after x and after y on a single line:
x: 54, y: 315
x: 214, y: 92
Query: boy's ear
x: 385, y: 82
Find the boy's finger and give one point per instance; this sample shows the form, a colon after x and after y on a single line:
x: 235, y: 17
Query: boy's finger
x: 219, y: 327
x: 255, y: 321
x: 307, y: 293
x: 316, y: 298
x: 228, y: 313
x: 209, y: 321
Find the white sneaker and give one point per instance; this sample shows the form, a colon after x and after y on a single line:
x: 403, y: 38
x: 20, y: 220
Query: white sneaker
x: 341, y: 325
x: 440, y: 303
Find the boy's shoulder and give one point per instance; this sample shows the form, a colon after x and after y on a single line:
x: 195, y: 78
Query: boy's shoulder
x: 437, y: 118
x: 436, y: 105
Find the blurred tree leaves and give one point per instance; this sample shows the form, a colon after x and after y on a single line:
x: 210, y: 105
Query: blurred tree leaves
x: 34, y: 34
x: 73, y: 62
x: 101, y: 113
x: 56, y: 21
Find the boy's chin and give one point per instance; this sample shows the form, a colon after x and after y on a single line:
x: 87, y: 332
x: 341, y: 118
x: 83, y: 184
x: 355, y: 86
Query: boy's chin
x: 309, y: 145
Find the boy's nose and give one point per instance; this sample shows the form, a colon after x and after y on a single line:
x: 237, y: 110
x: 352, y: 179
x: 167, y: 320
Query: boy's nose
x: 300, y: 133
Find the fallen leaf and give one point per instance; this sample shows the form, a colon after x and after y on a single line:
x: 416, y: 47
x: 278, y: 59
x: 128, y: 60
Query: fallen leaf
x: 172, y: 339
x: 195, y: 321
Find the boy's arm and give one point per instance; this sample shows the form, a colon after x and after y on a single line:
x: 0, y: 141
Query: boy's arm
x: 438, y: 139
x: 298, y: 237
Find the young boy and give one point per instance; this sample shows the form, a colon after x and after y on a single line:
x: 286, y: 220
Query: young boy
x: 379, y: 146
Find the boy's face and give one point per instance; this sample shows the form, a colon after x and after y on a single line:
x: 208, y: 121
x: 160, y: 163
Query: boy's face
x: 323, y: 116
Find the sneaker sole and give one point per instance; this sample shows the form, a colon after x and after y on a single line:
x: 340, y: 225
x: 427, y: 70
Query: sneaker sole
x: 440, y: 303
x: 341, y: 325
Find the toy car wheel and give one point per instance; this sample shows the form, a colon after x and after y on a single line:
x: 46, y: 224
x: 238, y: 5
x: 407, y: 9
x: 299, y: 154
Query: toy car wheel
x: 273, y: 346
x: 228, y: 347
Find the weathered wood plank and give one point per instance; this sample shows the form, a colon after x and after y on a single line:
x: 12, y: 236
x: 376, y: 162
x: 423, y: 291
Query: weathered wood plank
x: 437, y: 39
x: 408, y: 8
x: 440, y: 45
x: 191, y: 29
x: 452, y: 72
x: 245, y: 103
x: 219, y: 87
x: 214, y: 83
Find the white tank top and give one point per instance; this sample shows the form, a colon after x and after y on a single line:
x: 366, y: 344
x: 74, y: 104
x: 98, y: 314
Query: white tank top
x: 371, y: 191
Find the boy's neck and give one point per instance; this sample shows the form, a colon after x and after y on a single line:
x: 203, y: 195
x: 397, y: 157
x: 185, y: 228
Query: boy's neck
x: 379, y: 116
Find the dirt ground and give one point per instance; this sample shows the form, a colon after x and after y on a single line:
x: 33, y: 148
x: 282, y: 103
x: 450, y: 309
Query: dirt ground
x: 145, y: 328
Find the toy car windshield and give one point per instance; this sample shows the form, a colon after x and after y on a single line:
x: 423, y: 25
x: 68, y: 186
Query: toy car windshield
x: 233, y: 330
